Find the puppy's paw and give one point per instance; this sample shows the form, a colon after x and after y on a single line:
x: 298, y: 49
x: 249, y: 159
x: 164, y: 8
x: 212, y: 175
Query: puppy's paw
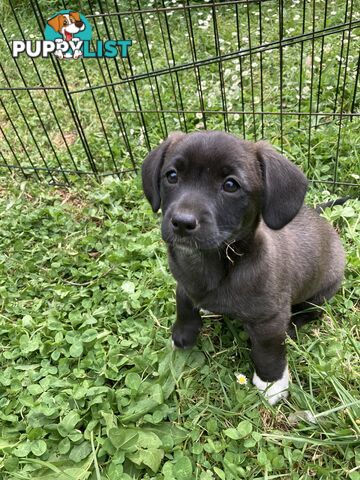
x: 183, y: 337
x: 273, y: 391
x: 77, y: 54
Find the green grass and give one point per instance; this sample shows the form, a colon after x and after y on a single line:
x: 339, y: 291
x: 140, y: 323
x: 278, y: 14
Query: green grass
x: 89, y: 384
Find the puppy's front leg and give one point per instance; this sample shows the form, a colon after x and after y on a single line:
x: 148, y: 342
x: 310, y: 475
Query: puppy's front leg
x: 188, y: 321
x: 268, y: 352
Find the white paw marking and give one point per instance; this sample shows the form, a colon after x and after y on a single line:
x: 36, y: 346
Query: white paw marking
x: 274, y: 391
x: 77, y: 54
x: 173, y: 346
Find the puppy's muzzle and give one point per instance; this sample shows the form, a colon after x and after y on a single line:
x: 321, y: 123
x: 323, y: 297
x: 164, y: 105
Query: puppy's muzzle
x: 184, y: 224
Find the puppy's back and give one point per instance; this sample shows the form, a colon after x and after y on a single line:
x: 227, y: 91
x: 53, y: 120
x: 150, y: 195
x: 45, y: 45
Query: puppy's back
x: 311, y: 250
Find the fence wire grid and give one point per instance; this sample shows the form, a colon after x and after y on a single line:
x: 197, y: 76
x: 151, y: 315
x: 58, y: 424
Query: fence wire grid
x: 285, y: 71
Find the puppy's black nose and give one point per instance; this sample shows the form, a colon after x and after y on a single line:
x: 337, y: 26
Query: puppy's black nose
x: 184, y: 223
x: 79, y: 24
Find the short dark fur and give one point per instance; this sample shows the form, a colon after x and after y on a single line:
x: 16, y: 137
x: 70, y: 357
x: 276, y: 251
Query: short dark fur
x: 256, y: 254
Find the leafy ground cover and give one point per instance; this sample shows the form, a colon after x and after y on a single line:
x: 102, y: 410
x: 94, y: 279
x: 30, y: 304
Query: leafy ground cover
x: 90, y: 387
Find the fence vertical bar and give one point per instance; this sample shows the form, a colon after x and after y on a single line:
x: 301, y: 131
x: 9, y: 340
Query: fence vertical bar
x: 194, y: 59
x: 321, y: 64
x: 301, y: 62
x: 281, y: 80
x: 342, y: 98
x: 240, y: 69
x: 311, y: 83
x: 220, y: 68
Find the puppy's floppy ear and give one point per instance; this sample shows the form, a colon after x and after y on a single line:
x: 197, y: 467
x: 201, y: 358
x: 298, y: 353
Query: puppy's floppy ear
x: 151, y: 169
x: 284, y: 187
x: 56, y: 22
x: 76, y: 16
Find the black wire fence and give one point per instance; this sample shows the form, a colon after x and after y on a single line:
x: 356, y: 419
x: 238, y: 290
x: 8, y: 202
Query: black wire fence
x: 286, y: 71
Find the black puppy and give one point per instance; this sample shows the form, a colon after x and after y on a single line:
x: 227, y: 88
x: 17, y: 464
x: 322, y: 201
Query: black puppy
x: 241, y: 243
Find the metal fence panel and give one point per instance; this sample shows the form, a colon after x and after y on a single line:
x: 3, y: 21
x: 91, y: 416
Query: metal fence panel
x: 286, y: 71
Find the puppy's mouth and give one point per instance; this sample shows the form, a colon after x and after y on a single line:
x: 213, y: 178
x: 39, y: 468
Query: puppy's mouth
x: 68, y: 36
x: 194, y: 243
x: 188, y: 245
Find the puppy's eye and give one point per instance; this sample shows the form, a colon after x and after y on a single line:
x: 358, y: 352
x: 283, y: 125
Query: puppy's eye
x: 230, y: 185
x: 172, y: 176
x: 65, y: 22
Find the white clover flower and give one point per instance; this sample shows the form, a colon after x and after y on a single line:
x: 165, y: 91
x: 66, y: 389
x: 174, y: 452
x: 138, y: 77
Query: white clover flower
x: 241, y: 378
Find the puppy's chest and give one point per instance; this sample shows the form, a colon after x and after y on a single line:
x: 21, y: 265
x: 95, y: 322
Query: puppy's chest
x: 209, y: 284
x: 198, y: 274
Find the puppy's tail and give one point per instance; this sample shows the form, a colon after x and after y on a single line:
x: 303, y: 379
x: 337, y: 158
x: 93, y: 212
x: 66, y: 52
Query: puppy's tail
x: 339, y: 201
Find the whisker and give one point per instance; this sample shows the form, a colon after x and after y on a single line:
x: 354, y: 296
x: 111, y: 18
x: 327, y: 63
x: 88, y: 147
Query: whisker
x: 228, y: 246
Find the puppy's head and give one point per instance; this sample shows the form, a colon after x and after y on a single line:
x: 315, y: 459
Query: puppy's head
x: 213, y: 188
x: 67, y: 24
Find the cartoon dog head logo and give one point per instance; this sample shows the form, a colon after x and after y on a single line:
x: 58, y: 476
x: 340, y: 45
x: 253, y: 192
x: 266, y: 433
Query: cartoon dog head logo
x: 68, y: 36
x: 69, y: 29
